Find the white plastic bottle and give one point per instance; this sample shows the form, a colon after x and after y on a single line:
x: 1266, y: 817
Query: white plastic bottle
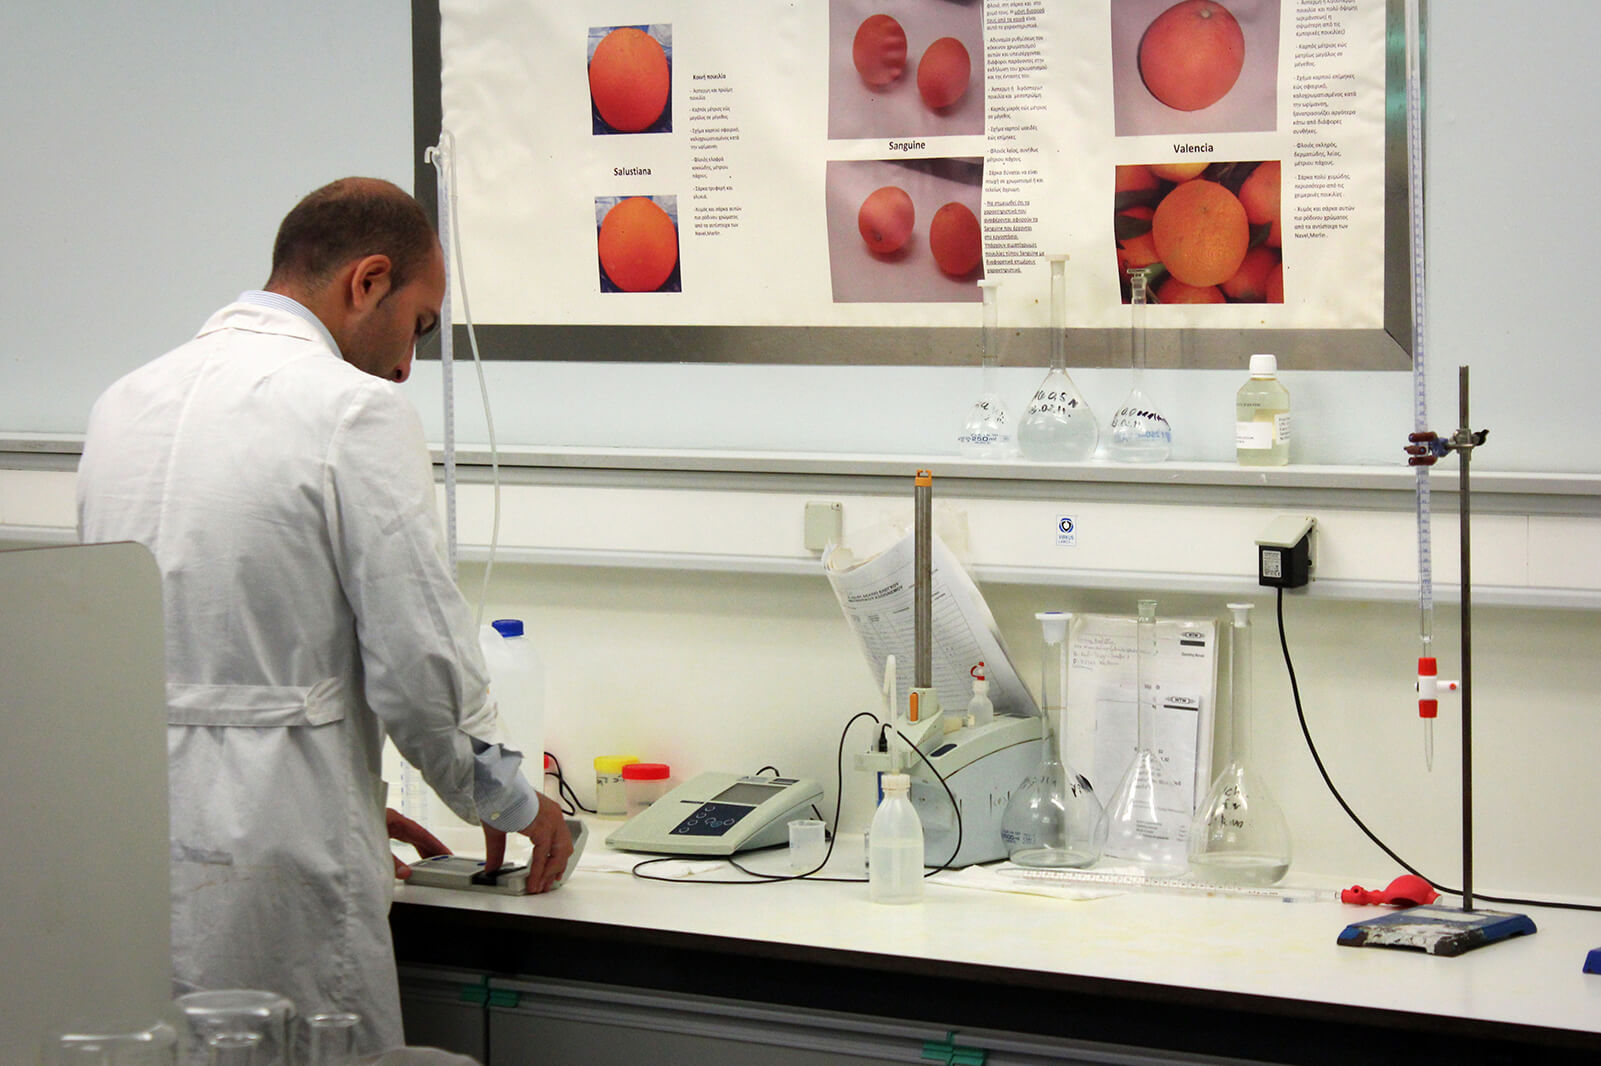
x: 895, y: 846
x: 980, y: 711
x: 517, y: 684
x: 1262, y: 416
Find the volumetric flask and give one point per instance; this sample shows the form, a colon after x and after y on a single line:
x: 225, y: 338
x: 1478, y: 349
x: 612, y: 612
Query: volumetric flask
x: 1053, y: 818
x: 1139, y: 432
x: 155, y: 1046
x: 1059, y: 427
x: 1149, y: 814
x: 1239, y: 836
x: 236, y: 1011
x: 987, y: 432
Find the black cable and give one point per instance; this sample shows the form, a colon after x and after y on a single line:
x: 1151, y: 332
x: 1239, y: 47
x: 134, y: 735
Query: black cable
x: 1295, y: 690
x: 766, y: 878
x: 564, y: 790
x: 946, y: 865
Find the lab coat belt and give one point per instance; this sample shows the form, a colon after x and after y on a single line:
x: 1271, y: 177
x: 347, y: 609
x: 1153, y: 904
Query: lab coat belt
x: 258, y: 706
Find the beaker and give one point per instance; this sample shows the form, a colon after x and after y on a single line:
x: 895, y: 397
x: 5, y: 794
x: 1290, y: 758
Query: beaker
x: 233, y: 1049
x: 1053, y: 818
x: 1239, y: 836
x: 1139, y: 431
x: 1059, y: 426
x: 331, y: 1038
x: 987, y: 432
x: 1149, y: 815
x: 235, y: 1011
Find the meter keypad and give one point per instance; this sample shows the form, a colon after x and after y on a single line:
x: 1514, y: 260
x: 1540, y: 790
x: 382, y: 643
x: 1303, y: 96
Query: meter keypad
x: 711, y: 820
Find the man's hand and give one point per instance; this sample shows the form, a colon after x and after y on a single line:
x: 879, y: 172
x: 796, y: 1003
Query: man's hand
x: 553, y: 846
x: 407, y: 831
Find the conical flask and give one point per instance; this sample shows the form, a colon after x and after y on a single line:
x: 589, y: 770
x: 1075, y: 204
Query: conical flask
x: 988, y: 432
x: 1059, y: 426
x: 1239, y: 836
x: 1139, y: 432
x: 1149, y: 814
x: 1053, y: 818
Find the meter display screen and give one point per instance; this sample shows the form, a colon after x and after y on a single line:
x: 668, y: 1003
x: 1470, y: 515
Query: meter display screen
x: 747, y: 792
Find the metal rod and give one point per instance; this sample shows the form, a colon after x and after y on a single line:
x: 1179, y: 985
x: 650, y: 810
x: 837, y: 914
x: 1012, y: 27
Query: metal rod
x: 1465, y: 444
x: 923, y: 578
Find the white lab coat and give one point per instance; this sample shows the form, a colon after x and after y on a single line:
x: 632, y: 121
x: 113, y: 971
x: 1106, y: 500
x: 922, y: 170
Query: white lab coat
x: 289, y: 501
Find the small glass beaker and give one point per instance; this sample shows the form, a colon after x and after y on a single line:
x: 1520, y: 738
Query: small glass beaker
x: 331, y: 1038
x: 1053, y: 818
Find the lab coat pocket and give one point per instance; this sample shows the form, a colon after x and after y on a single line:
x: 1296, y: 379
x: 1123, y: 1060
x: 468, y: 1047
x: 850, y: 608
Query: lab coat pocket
x: 259, y: 706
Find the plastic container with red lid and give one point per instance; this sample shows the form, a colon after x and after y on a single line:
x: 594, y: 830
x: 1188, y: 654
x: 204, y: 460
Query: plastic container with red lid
x: 644, y: 783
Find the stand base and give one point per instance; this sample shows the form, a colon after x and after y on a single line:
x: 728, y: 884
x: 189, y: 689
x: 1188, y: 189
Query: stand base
x: 1436, y: 930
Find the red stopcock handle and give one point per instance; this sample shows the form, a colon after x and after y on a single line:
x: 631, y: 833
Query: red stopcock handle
x: 1408, y: 890
x: 1430, y: 686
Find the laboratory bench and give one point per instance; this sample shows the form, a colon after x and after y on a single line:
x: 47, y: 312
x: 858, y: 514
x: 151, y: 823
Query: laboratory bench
x: 612, y: 967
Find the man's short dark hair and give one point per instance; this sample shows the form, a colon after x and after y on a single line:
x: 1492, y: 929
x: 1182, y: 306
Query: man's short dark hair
x: 348, y: 219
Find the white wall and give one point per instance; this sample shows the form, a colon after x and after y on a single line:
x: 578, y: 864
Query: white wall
x: 716, y: 671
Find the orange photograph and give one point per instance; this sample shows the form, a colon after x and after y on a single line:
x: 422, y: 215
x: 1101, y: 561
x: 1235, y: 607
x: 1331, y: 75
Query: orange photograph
x: 1203, y: 233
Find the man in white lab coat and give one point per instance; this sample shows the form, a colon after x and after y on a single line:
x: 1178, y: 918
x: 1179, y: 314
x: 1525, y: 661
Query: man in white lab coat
x: 283, y: 484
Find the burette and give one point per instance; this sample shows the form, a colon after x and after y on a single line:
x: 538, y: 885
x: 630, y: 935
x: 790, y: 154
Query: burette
x: 443, y: 157
x: 1428, y: 684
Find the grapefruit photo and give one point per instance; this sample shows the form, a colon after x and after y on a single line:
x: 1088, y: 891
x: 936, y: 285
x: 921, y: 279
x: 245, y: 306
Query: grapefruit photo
x: 1192, y: 54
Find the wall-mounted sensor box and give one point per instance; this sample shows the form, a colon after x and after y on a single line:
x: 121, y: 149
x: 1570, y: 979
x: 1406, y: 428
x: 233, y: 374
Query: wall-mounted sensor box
x: 1284, y: 552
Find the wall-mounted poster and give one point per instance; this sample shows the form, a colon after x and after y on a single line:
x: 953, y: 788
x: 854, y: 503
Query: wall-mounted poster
x: 863, y: 163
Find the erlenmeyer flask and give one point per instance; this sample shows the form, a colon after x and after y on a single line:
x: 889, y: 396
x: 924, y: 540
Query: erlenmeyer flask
x: 1053, y: 818
x: 1149, y: 814
x: 1139, y: 431
x: 1239, y: 836
x: 988, y: 432
x: 1059, y: 426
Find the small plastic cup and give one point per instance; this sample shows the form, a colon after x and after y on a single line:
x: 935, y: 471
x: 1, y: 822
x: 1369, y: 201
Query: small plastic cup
x: 644, y: 783
x: 611, y: 801
x: 807, y: 845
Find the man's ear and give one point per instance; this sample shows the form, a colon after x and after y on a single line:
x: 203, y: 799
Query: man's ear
x: 370, y: 281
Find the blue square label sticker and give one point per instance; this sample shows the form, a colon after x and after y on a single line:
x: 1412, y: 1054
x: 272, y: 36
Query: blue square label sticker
x: 1066, y: 531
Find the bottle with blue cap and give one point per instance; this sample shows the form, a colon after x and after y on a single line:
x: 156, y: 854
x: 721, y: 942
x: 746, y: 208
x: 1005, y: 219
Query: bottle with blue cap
x: 517, y: 685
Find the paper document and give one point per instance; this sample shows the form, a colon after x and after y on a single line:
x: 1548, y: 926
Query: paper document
x: 1100, y: 734
x: 877, y: 595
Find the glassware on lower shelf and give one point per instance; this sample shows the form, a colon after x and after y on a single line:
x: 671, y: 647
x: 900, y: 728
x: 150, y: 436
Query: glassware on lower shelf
x: 1239, y: 836
x: 1141, y: 815
x: 1053, y: 819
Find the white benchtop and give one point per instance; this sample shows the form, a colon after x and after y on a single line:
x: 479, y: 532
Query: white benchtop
x: 1184, y: 943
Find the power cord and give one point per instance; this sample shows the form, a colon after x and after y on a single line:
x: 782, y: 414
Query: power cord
x: 758, y: 877
x: 569, y: 798
x: 1295, y: 690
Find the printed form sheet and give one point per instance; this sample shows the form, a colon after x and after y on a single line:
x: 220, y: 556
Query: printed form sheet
x: 877, y: 596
